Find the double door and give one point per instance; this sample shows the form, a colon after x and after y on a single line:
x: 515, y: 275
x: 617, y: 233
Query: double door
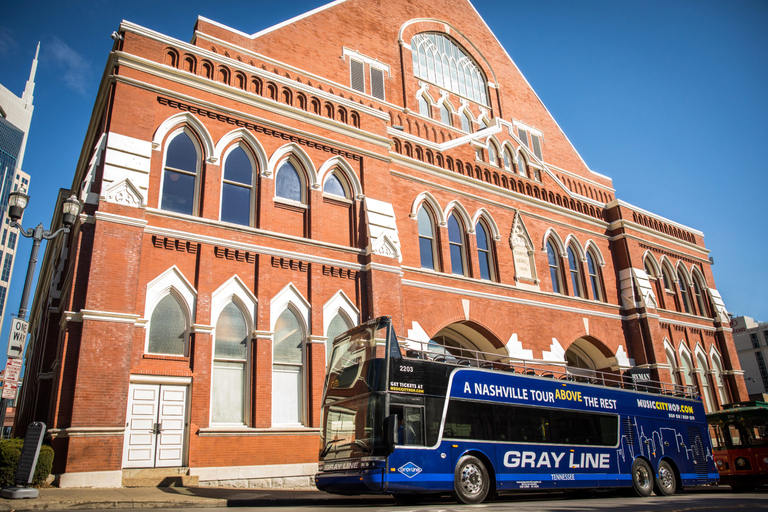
x: 155, y: 429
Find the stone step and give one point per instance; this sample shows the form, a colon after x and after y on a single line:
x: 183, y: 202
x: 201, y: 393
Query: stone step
x: 159, y: 477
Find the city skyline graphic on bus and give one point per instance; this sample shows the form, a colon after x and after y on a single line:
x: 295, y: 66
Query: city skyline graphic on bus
x: 661, y: 440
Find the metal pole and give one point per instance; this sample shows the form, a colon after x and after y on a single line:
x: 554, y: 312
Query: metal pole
x: 37, y: 237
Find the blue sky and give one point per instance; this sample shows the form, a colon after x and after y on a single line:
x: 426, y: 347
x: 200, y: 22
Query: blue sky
x: 666, y: 97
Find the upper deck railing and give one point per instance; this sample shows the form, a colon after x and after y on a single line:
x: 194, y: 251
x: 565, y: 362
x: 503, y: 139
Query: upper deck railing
x: 490, y: 361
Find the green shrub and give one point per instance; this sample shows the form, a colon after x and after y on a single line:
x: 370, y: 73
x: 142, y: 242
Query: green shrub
x: 10, y: 451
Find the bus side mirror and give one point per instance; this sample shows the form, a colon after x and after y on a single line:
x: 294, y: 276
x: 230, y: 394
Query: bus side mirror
x: 390, y: 432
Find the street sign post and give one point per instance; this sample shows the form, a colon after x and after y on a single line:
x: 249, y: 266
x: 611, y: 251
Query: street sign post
x: 17, y: 337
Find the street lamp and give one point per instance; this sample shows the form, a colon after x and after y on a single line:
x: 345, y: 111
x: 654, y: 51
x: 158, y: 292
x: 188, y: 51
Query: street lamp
x: 17, y: 202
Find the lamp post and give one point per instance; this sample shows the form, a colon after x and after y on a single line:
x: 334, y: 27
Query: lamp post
x: 17, y: 202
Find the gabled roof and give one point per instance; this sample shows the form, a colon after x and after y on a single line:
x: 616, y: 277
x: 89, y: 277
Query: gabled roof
x: 315, y: 43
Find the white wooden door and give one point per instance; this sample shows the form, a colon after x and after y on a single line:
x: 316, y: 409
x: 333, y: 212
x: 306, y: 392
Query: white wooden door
x: 155, y: 426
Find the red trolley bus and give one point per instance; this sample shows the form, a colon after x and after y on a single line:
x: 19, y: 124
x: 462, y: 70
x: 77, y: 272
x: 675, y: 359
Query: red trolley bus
x: 740, y: 441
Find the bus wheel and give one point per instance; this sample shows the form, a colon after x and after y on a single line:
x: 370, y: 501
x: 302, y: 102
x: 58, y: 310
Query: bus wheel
x: 642, y: 478
x: 470, y: 481
x: 665, y: 480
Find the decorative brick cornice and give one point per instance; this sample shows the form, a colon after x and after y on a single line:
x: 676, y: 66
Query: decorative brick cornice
x: 203, y: 112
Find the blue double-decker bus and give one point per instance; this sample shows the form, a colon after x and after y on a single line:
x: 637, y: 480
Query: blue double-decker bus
x: 414, y: 422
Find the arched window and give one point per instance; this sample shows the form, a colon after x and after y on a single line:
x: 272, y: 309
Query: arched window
x: 288, y: 183
x: 334, y: 185
x: 484, y: 254
x: 180, y: 172
x: 287, y: 376
x: 594, y: 277
x: 687, y: 366
x: 445, y: 114
x: 577, y: 288
x: 426, y: 239
x: 466, y: 123
x: 706, y: 391
x: 522, y: 166
x: 230, y: 369
x: 672, y: 367
x: 699, y: 297
x: 554, y: 267
x: 655, y: 281
x: 439, y: 60
x: 424, y: 106
x: 456, y: 243
x: 168, y: 328
x: 507, y: 159
x: 684, y: 292
x: 237, y: 197
x: 338, y: 325
x: 717, y: 374
x: 493, y: 153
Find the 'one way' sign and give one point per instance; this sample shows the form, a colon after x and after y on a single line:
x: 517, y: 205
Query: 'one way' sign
x: 17, y: 338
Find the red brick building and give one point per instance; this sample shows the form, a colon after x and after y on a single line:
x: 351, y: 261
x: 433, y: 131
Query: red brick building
x: 248, y: 197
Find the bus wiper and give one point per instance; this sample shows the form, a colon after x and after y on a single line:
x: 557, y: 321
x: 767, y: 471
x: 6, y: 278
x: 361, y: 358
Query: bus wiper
x: 328, y: 447
x: 363, y: 445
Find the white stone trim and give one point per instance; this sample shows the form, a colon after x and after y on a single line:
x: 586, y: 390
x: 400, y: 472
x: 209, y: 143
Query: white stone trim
x: 95, y: 479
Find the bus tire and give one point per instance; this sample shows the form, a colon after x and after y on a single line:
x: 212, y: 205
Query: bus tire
x: 666, y: 482
x: 642, y: 478
x: 470, y: 481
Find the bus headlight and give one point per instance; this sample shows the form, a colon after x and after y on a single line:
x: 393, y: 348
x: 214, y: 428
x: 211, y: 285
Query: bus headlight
x: 765, y: 460
x: 720, y: 463
x: 741, y: 462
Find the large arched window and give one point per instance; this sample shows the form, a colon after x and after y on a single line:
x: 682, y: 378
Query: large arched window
x: 484, y: 252
x: 687, y: 366
x: 230, y: 369
x: 717, y: 374
x: 577, y: 288
x: 456, y: 243
x: 684, y: 292
x: 655, y: 281
x: 594, y: 277
x: 237, y: 196
x: 289, y: 183
x: 699, y: 296
x: 438, y: 59
x: 287, y: 373
x: 672, y: 366
x: 338, y: 325
x: 427, y: 244
x: 706, y: 391
x: 180, y: 174
x: 168, y: 328
x: 554, y: 267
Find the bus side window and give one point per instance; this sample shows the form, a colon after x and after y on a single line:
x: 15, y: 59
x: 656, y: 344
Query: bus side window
x: 410, y: 431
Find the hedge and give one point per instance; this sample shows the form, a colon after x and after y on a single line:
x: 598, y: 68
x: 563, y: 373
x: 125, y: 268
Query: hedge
x: 10, y: 451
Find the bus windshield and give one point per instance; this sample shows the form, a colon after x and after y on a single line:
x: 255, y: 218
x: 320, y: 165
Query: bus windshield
x: 354, y: 399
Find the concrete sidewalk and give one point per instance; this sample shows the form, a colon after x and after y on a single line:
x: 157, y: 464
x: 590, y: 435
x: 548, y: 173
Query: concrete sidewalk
x: 180, y: 497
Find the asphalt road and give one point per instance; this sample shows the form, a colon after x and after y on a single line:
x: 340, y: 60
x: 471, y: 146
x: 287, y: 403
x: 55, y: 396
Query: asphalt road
x: 696, y: 500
